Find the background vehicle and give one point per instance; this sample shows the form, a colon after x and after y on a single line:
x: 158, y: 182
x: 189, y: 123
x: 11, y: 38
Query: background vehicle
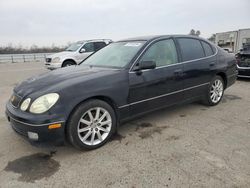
x: 233, y: 41
x: 75, y: 53
x: 123, y: 80
x: 243, y: 61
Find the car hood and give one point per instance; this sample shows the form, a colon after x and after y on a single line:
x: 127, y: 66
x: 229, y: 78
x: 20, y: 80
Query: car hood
x: 61, y: 54
x: 61, y: 78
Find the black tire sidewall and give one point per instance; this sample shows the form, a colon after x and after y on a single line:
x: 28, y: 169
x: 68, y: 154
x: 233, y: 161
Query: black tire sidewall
x: 72, y: 124
x: 65, y: 63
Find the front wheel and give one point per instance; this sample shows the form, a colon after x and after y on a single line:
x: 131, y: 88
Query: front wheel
x: 91, y: 125
x: 67, y: 63
x: 215, y: 91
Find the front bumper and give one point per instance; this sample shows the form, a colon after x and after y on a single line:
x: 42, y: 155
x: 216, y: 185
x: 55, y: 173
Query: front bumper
x: 36, y: 132
x: 244, y: 72
x: 52, y: 66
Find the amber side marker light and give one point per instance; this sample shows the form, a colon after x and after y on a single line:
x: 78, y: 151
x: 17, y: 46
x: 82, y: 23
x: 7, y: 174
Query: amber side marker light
x: 55, y: 126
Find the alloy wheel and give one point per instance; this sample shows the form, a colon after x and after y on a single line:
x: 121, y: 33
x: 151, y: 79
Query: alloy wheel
x: 216, y: 91
x: 94, y: 126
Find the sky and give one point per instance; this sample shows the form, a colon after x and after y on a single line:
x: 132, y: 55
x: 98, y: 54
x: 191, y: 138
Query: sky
x: 47, y: 22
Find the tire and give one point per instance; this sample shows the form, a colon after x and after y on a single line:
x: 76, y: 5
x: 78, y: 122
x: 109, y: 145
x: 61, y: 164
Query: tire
x: 215, y: 91
x: 86, y: 134
x: 68, y: 63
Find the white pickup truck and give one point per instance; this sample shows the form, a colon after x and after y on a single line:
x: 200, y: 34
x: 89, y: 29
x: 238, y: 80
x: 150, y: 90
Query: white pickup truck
x: 75, y: 53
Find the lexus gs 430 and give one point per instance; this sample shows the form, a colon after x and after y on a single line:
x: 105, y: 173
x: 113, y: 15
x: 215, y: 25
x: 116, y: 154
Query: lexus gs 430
x: 85, y: 104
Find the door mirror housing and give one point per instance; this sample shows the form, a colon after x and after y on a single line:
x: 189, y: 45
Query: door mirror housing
x: 82, y: 50
x: 143, y: 65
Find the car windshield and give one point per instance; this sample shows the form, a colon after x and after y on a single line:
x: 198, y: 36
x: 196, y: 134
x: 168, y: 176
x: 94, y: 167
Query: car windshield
x: 116, y: 55
x: 73, y: 47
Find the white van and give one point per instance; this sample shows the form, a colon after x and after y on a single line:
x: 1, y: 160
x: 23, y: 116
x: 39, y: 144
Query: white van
x: 75, y: 53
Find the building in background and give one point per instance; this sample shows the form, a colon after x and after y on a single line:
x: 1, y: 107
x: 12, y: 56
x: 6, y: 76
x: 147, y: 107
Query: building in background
x: 233, y: 41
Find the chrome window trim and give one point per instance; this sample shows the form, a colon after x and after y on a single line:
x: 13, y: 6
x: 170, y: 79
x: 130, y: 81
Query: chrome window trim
x: 159, y: 96
x: 35, y: 125
x: 183, y: 62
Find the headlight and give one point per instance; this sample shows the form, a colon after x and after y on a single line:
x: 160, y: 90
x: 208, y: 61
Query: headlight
x: 25, y: 104
x: 44, y: 103
x: 55, y: 60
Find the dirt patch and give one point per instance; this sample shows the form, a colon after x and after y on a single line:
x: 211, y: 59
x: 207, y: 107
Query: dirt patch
x: 203, y: 109
x: 3, y: 118
x: 183, y: 115
x: 230, y: 98
x: 15, y: 84
x: 117, y: 137
x: 143, y: 125
x: 171, y: 138
x: 148, y: 132
x: 33, y: 167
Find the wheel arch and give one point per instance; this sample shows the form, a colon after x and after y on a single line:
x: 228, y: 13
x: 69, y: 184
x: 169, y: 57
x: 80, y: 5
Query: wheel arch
x: 98, y: 97
x: 71, y: 60
x: 224, y: 77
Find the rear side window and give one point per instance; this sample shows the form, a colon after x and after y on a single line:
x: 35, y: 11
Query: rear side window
x: 162, y: 52
x: 191, y: 49
x: 99, y: 45
x: 207, y: 48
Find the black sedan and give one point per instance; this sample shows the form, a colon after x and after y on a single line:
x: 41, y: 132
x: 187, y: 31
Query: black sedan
x: 86, y: 104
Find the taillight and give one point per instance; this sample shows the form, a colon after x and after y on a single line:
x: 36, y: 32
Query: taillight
x: 237, y: 60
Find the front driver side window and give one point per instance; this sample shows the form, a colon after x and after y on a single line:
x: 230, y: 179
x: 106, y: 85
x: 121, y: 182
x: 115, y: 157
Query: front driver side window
x: 162, y: 53
x: 89, y: 47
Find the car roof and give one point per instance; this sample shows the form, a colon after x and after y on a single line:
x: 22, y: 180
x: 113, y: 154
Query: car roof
x: 154, y: 37
x: 95, y: 40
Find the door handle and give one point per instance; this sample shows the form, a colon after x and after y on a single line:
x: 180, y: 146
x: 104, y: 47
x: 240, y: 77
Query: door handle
x: 178, y: 72
x: 212, y: 64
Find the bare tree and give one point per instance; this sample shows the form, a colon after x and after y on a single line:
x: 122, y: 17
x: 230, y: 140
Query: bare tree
x: 10, y: 49
x: 192, y: 32
x: 198, y: 33
x: 195, y: 33
x: 212, y: 38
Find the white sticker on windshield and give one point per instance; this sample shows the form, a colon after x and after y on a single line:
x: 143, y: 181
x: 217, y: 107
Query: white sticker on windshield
x: 133, y: 44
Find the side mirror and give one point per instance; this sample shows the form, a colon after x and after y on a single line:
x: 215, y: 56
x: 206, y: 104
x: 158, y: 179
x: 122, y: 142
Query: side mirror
x: 82, y: 50
x: 143, y: 65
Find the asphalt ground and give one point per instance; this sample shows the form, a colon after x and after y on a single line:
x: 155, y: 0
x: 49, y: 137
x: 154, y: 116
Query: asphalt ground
x: 185, y: 146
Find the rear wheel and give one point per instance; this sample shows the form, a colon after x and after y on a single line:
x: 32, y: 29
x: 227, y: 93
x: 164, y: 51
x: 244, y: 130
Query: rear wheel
x: 91, y: 125
x: 68, y: 63
x: 215, y: 91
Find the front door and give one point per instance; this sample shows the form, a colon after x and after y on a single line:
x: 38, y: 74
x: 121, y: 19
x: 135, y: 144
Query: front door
x: 159, y: 87
x: 89, y: 48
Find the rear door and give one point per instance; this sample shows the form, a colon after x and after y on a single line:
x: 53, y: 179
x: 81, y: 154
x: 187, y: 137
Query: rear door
x: 159, y: 87
x: 199, y: 65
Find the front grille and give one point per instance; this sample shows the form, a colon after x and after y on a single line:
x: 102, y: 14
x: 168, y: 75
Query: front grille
x: 48, y: 60
x: 15, y: 100
x: 244, y: 62
x: 244, y: 72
